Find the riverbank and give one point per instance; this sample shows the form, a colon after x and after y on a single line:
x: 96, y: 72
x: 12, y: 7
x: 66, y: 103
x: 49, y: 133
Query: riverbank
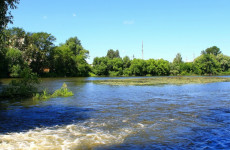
x: 163, y: 80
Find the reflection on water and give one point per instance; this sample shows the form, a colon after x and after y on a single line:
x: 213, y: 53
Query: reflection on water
x: 195, y: 116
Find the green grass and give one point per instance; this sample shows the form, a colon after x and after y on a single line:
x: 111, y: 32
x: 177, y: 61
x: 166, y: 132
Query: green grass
x: 62, y: 92
x: 163, y: 81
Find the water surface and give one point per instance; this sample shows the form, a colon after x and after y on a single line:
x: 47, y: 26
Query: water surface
x: 193, y: 116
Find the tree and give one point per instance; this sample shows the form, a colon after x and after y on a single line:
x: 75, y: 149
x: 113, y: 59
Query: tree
x: 151, y: 67
x: 79, y: 57
x: 163, y: 67
x: 39, y: 47
x: 15, y: 38
x: 3, y: 63
x: 175, y: 67
x: 81, y: 64
x: 69, y: 59
x: 126, y: 62
x: 178, y: 59
x: 74, y: 44
x: 15, y: 62
x: 116, y: 67
x: 63, y: 64
x: 5, y: 18
x: 113, y: 54
x: 187, y: 68
x: 5, y: 15
x: 206, y: 64
x: 138, y: 67
x: 212, y: 50
x: 224, y: 62
x: 100, y: 66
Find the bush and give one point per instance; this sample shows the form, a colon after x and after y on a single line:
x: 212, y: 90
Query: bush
x: 64, y: 92
x: 23, y: 87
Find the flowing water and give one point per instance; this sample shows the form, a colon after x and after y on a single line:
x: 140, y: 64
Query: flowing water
x: 193, y: 116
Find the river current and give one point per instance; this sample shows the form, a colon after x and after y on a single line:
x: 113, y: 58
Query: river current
x: 191, y: 116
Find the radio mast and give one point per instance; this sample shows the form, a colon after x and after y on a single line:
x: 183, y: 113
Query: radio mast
x: 142, y: 50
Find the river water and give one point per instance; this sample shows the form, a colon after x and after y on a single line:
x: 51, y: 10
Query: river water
x: 192, y: 116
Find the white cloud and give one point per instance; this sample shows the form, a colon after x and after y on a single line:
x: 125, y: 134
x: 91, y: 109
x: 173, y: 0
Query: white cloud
x: 128, y: 22
x: 45, y: 17
x: 74, y: 15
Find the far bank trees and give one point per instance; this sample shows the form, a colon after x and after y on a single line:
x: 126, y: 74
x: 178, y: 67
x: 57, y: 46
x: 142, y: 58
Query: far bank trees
x: 210, y: 62
x: 38, y: 52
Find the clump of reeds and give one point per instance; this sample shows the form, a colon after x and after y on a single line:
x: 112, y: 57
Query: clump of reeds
x: 62, y: 92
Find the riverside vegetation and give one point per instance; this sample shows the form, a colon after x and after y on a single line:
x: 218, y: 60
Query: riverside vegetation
x: 163, y: 81
x: 27, y: 55
x: 62, y: 92
x: 37, y: 51
x: 26, y: 87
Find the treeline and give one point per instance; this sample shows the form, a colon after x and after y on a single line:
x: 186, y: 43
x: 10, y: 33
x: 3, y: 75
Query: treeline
x: 21, y: 49
x: 210, y: 62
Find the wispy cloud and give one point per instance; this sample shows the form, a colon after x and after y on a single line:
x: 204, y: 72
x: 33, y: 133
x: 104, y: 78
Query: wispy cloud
x: 74, y: 15
x: 45, y: 17
x: 128, y: 22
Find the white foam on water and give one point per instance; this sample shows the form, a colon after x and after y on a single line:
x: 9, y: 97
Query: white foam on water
x: 68, y: 137
x: 141, y: 125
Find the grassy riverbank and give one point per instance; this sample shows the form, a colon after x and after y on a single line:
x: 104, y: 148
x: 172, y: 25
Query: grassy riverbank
x: 163, y: 80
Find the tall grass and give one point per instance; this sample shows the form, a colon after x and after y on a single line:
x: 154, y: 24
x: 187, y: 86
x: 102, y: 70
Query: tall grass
x: 62, y: 92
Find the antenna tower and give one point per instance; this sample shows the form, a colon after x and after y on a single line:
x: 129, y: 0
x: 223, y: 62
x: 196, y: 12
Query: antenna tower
x: 142, y: 50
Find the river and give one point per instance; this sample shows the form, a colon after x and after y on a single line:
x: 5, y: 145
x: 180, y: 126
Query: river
x: 192, y: 116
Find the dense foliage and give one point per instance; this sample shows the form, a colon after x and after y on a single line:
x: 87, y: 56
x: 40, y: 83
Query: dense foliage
x: 23, y: 87
x: 210, y: 62
x: 38, y: 52
x: 5, y: 14
x: 26, y: 56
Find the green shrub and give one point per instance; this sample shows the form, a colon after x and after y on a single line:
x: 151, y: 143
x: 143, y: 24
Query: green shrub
x: 64, y: 92
x: 23, y: 87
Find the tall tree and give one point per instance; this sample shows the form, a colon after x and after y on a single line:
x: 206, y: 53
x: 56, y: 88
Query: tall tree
x: 5, y: 15
x: 206, y: 64
x: 15, y: 38
x: 100, y: 66
x: 69, y: 59
x: 175, y: 67
x: 113, y: 54
x: 151, y: 67
x: 163, y: 67
x: 115, y: 67
x: 212, y: 50
x: 5, y: 18
x: 126, y: 62
x: 177, y: 59
x: 38, y: 50
x: 74, y: 44
x: 3, y: 63
x: 15, y: 61
x: 138, y: 67
x: 224, y: 62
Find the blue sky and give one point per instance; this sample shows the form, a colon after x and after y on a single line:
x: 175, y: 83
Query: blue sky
x: 167, y: 27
